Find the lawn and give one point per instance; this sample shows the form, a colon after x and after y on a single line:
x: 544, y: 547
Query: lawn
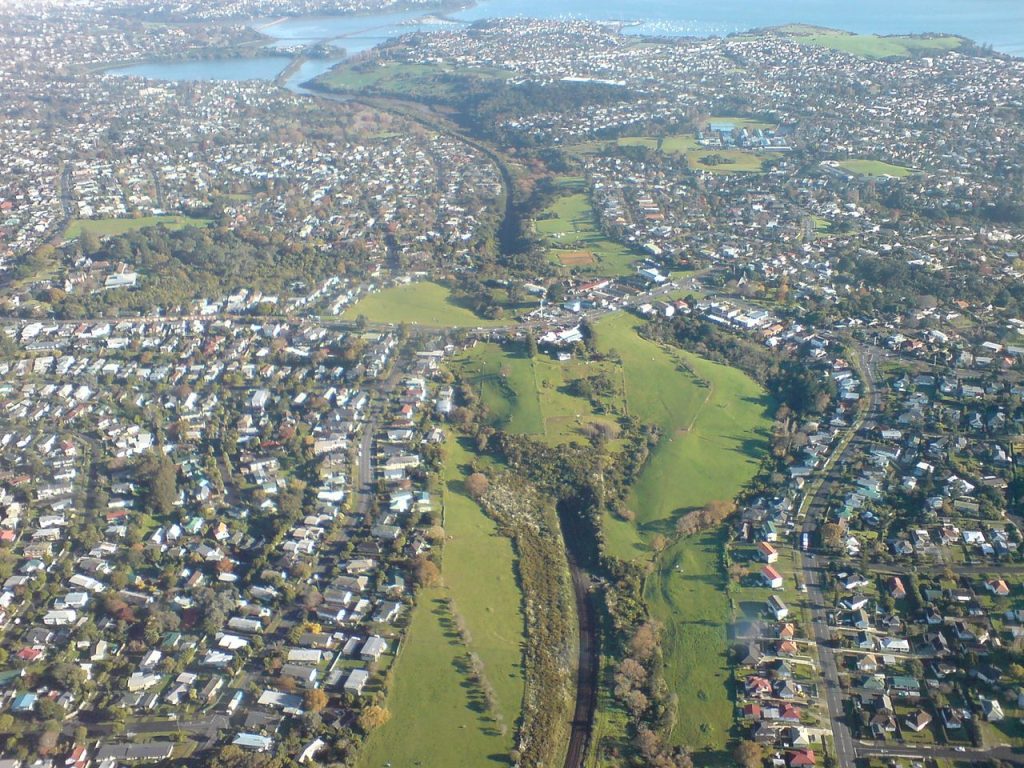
x: 687, y: 594
x: 676, y: 143
x: 530, y: 396
x: 873, y: 46
x: 103, y: 227
x: 433, y: 702
x: 479, y: 571
x: 428, y: 304
x: 649, y: 142
x: 874, y: 168
x: 570, y: 229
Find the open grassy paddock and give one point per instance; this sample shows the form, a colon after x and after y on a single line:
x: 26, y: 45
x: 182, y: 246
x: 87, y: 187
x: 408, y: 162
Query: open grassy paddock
x: 480, y: 591
x: 714, y: 423
x: 429, y: 304
x: 687, y: 594
x: 433, y: 702
x: 714, y: 427
x: 529, y: 396
x: 479, y: 571
x: 102, y: 227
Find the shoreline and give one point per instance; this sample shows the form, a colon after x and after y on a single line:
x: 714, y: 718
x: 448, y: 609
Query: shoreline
x: 440, y: 10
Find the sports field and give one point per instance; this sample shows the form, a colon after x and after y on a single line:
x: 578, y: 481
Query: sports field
x: 570, y: 231
x: 874, y: 168
x: 728, y: 160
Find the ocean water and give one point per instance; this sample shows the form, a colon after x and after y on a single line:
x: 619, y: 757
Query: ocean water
x: 260, y: 68
x: 999, y: 23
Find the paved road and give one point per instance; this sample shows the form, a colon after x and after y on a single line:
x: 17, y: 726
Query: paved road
x: 364, y: 469
x: 815, y: 501
x: 366, y: 486
x: 923, y: 752
x: 841, y: 735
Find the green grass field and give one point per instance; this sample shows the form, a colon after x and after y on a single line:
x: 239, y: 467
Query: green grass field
x: 671, y: 144
x: 479, y: 571
x: 638, y: 141
x: 678, y: 143
x: 872, y: 46
x: 875, y: 168
x: 732, y: 160
x: 687, y: 594
x: 714, y: 423
x: 403, y: 79
x: 713, y: 431
x: 433, y: 703
x: 571, y: 227
x: 427, y: 304
x: 742, y: 122
x: 103, y: 227
x: 528, y: 396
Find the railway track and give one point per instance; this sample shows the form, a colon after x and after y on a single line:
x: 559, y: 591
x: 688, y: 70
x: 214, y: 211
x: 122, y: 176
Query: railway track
x: 586, y: 671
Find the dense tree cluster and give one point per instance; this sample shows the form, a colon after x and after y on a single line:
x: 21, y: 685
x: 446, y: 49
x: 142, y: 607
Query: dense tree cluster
x: 178, y: 266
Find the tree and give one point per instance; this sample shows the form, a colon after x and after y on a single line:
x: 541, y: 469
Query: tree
x: 163, y: 482
x: 645, y: 641
x: 373, y: 717
x: 90, y: 242
x: 426, y: 572
x: 748, y: 754
x: 477, y: 485
x: 832, y: 536
x: 315, y: 700
x: 531, y: 344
